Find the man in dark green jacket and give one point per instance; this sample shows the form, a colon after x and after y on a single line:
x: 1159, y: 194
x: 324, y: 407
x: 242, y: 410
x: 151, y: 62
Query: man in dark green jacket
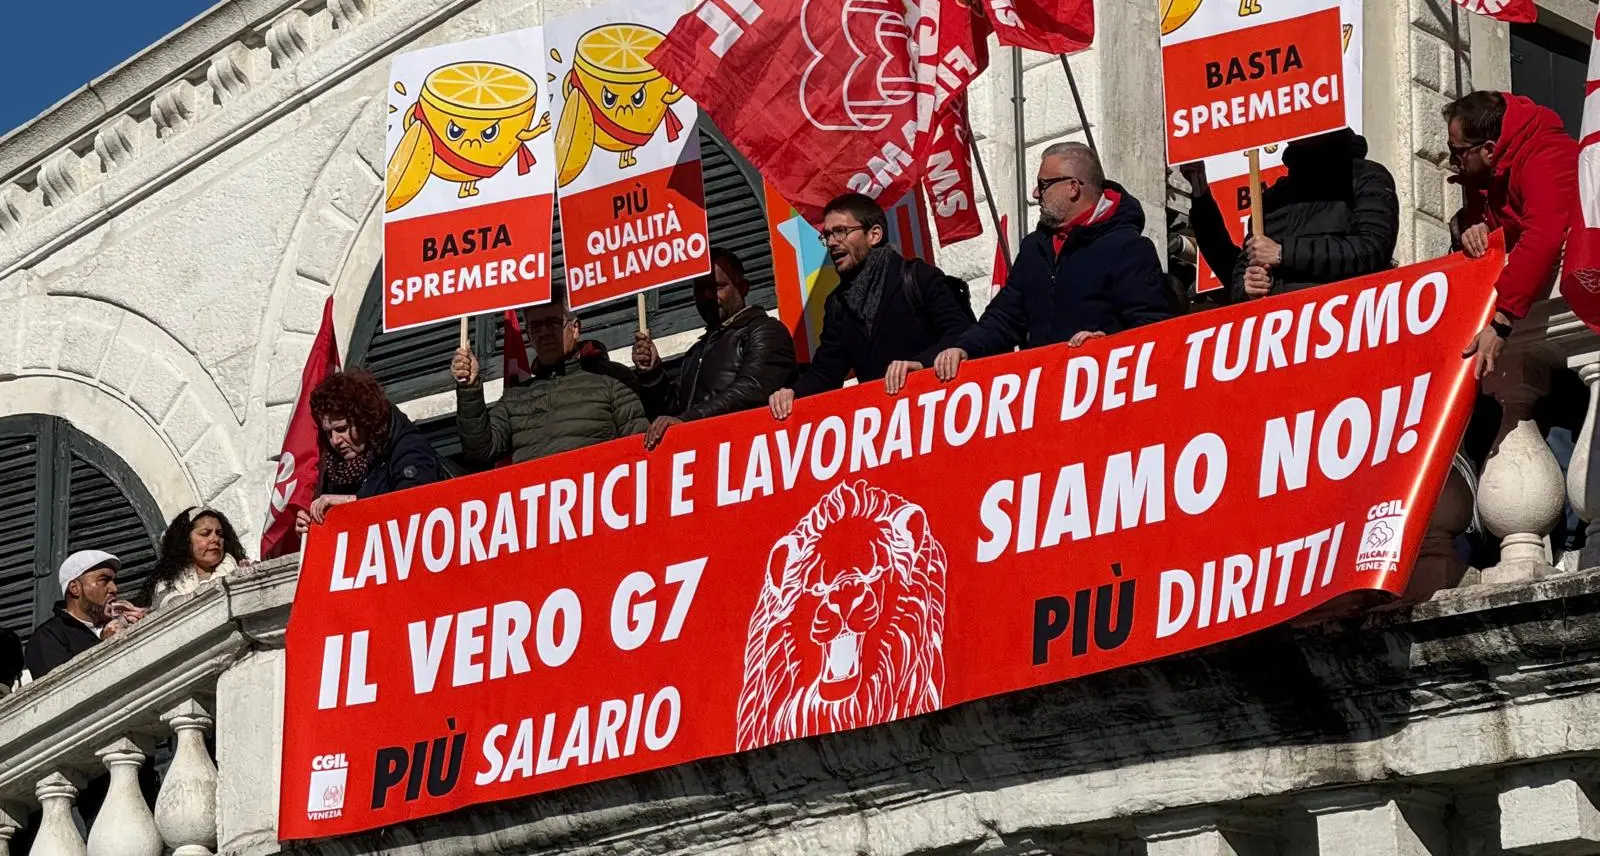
x: 572, y: 401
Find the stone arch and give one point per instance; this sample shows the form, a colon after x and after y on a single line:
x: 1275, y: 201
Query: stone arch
x: 128, y: 384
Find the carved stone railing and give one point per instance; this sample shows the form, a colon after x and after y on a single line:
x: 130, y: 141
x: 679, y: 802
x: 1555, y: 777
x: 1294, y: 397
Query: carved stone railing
x: 166, y: 682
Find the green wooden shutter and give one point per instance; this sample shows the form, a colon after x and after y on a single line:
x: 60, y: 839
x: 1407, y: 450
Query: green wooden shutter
x: 62, y: 491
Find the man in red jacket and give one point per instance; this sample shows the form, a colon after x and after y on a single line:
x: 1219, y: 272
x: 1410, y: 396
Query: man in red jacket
x: 1519, y: 172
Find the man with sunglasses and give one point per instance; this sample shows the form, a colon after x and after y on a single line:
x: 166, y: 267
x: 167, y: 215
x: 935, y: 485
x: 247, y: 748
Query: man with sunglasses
x: 1518, y: 171
x: 889, y: 316
x: 1086, y: 272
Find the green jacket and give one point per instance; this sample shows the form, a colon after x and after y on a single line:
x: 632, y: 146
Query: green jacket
x: 566, y: 409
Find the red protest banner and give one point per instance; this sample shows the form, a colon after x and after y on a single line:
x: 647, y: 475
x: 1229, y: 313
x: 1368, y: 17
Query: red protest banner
x: 1236, y: 85
x: 610, y: 611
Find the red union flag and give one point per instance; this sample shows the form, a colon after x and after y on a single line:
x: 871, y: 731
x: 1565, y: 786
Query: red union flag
x: 1580, y: 268
x: 948, y: 181
x: 749, y: 582
x: 826, y: 96
x: 1051, y: 26
x: 299, y: 464
x: 1514, y: 11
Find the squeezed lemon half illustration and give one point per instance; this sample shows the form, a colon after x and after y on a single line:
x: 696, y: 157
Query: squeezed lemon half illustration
x: 469, y: 121
x: 1176, y: 13
x: 615, y: 100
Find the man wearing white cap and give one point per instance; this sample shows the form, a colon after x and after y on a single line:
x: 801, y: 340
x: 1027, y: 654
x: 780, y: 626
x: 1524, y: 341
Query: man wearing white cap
x: 84, y: 616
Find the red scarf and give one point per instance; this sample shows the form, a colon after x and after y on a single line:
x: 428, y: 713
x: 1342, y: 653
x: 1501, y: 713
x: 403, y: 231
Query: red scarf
x: 477, y: 170
x: 617, y: 132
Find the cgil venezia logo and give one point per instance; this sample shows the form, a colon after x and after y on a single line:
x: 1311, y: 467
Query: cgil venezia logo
x: 329, y: 777
x: 1382, y: 537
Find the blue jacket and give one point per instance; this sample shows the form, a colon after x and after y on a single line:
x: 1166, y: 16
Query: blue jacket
x: 1107, y: 278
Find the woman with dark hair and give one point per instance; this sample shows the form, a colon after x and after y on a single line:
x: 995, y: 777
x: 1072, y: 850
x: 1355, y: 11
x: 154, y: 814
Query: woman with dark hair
x: 368, y: 446
x: 200, y: 545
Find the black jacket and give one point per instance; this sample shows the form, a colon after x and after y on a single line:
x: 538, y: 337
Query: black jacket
x: 408, y: 461
x: 56, y: 640
x: 11, y: 664
x: 735, y: 366
x: 1106, y: 278
x: 899, y: 332
x: 1335, y: 214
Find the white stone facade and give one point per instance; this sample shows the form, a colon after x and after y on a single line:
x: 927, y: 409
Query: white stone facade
x: 169, y: 234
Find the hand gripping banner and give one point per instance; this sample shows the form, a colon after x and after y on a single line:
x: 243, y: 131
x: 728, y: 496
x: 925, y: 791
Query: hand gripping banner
x: 1048, y: 514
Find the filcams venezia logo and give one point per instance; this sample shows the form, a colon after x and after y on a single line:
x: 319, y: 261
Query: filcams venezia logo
x: 329, y: 775
x: 1382, y: 537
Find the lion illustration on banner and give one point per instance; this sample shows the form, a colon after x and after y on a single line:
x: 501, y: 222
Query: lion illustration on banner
x: 848, y: 630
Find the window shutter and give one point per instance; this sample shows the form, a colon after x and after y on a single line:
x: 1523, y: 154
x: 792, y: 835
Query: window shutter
x: 19, y: 500
x: 100, y: 517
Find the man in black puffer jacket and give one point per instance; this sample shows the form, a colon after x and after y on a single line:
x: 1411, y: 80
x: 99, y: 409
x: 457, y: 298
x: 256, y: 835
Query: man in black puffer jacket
x: 744, y: 356
x: 1086, y: 272
x: 1333, y: 217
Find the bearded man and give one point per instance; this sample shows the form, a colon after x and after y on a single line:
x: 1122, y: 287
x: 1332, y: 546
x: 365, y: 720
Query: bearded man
x: 1086, y: 272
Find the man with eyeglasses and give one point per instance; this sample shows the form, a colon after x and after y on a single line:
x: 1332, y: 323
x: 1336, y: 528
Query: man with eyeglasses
x: 1087, y: 271
x: 1518, y: 171
x: 574, y: 399
x: 889, y: 316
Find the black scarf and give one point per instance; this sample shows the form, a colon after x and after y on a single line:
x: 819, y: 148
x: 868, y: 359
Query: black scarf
x: 863, y: 291
x: 346, y: 476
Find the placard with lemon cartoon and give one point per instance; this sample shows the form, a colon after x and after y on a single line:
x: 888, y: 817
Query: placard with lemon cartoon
x: 628, y: 173
x: 470, y: 181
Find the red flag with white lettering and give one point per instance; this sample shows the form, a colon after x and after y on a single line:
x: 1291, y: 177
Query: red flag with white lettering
x: 1513, y: 11
x: 1002, y: 264
x: 824, y: 96
x: 299, y: 469
x: 1580, y: 269
x: 948, y: 181
x: 1051, y: 26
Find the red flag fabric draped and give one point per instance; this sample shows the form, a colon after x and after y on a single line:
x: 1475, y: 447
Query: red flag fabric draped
x: 826, y: 96
x: 1053, y: 26
x: 517, y: 367
x: 1002, y: 264
x: 299, y: 464
x: 1580, y: 273
x: 948, y: 181
x: 1513, y: 11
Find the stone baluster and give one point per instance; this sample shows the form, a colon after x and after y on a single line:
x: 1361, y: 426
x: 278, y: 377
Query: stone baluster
x: 124, y: 826
x: 9, y: 824
x: 1521, y: 494
x: 186, y: 811
x: 1583, y: 488
x: 58, y: 833
x: 1439, y: 566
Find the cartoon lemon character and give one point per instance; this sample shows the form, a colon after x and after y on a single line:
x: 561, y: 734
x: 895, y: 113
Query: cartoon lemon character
x: 1176, y: 13
x: 471, y: 119
x: 614, y: 99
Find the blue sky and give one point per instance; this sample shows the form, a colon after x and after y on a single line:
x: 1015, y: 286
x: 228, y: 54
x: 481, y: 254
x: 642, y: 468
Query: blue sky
x: 49, y: 49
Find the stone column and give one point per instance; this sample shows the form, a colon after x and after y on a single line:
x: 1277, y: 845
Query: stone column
x: 1371, y: 823
x: 1204, y: 832
x: 9, y: 824
x: 58, y: 833
x: 1583, y: 487
x: 1521, y: 493
x: 249, y: 751
x: 124, y: 826
x: 186, y: 811
x: 1545, y: 816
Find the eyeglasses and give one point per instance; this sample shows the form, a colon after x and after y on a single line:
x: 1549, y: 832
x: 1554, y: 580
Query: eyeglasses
x: 547, y: 324
x: 839, y: 233
x: 1459, y: 152
x: 1044, y: 184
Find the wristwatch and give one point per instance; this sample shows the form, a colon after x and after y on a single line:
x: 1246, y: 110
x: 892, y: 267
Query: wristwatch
x: 1500, y: 328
